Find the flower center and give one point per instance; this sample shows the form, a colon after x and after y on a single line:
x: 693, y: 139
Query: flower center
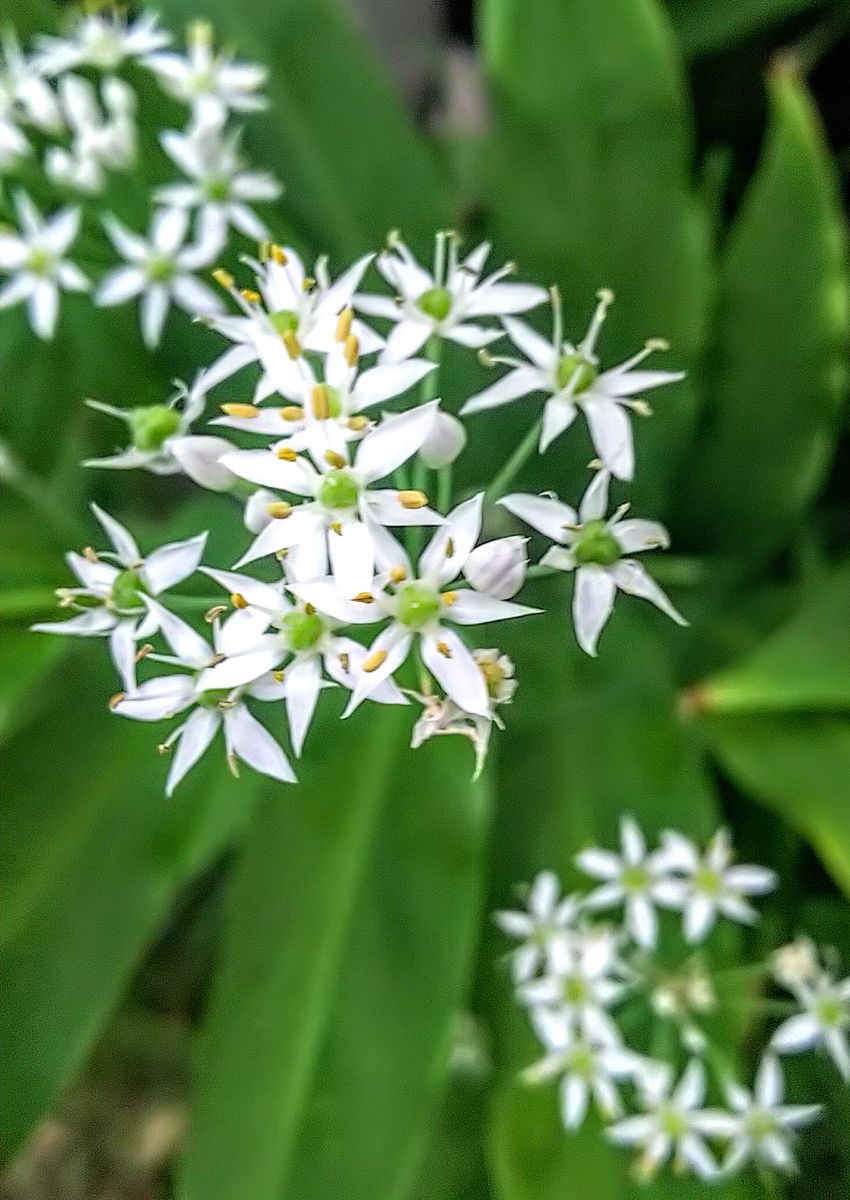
x: 493, y: 676
x: 338, y: 490
x: 126, y: 591
x: 217, y: 189
x: 214, y: 698
x: 576, y: 990
x: 436, y: 302
x: 302, y: 629
x: 284, y: 321
x: 708, y: 882
x: 635, y: 878
x: 40, y: 261
x: 160, y: 268
x: 672, y: 1121
x: 582, y: 1061
x: 596, y: 544
x: 417, y: 605
x: 572, y: 367
x: 151, y: 426
x: 760, y: 1124
x: 831, y: 1012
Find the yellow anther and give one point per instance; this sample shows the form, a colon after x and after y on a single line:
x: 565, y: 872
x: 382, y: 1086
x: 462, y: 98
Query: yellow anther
x: 292, y: 344
x: 309, y: 609
x: 216, y: 660
x: 336, y: 527
x: 113, y: 701
x: 246, y: 412
x: 450, y: 547
x: 308, y: 283
x: 605, y: 296
x: 444, y: 649
x: 449, y: 598
x: 278, y: 254
x: 264, y: 252
x: 279, y: 509
x: 335, y: 460
x: 238, y: 600
x: 374, y: 661
x: 163, y: 748
x: 281, y: 555
x: 223, y: 278
x: 143, y: 652
x: 351, y: 350
x: 343, y: 324
x: 364, y: 598
x: 90, y: 554
x: 278, y: 676
x: 413, y: 499
x: 319, y: 402
x: 398, y: 574
x: 287, y: 454
x: 357, y: 424
x: 345, y: 662
x: 249, y: 295
x: 212, y: 614
x: 292, y: 412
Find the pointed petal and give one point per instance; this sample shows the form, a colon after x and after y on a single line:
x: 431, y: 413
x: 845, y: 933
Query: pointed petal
x: 455, y: 669
x: 195, y: 737
x: 631, y: 578
x: 303, y: 681
x: 253, y: 744
x: 173, y: 563
x: 593, y: 600
x: 551, y: 517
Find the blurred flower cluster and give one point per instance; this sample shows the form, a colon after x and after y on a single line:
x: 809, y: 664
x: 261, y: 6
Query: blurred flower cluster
x: 592, y: 985
x: 76, y: 112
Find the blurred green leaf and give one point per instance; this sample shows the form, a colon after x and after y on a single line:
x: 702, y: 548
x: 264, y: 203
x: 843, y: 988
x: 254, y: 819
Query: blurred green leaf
x: 775, y: 371
x: 705, y: 26
x: 590, y: 188
x: 335, y: 133
x: 344, y: 963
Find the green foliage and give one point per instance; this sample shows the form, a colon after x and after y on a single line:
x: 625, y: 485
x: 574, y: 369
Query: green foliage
x: 707, y: 26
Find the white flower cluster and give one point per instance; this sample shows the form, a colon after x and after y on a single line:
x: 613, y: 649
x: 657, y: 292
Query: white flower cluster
x: 336, y: 496
x: 585, y: 983
x: 73, y: 101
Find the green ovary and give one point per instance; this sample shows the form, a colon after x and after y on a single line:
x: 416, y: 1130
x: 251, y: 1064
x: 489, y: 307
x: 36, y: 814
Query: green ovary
x: 126, y: 592
x: 635, y: 879
x: 40, y: 262
x: 151, y: 426
x: 436, y: 303
x: 571, y: 365
x: 831, y: 1012
x: 217, y: 190
x: 417, y: 605
x: 302, y: 629
x: 160, y: 268
x: 708, y: 882
x: 213, y: 698
x: 338, y: 491
x: 596, y: 544
x: 284, y: 321
x: 575, y: 990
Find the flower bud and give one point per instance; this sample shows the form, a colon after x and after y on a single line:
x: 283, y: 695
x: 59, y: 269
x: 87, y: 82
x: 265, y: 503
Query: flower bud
x: 444, y: 443
x: 256, y: 515
x: 498, y: 568
x: 198, y: 457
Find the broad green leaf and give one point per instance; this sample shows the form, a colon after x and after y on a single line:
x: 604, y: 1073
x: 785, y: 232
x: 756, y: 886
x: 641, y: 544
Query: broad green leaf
x: 797, y: 764
x: 804, y: 665
x: 705, y: 26
x: 335, y: 133
x: 341, y: 970
x: 775, y: 371
x: 590, y: 189
x: 93, y: 857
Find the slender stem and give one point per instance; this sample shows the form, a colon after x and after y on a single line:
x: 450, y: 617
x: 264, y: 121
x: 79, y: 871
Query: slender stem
x: 445, y: 483
x: 515, y: 463
x: 428, y: 389
x: 542, y: 571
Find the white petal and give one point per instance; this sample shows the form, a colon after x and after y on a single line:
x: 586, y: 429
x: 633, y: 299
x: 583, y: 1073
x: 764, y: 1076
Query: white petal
x: 497, y: 299
x: 642, y: 921
x: 280, y: 534
x: 395, y: 643
x: 153, y: 311
x: 44, y: 308
x: 118, y: 286
x: 352, y: 558
x: 769, y: 1083
x: 122, y: 542
x: 168, y: 229
x: 519, y: 382
x: 94, y: 623
x: 194, y: 297
x: 187, y: 645
x: 751, y: 880
x: 543, y: 895
x: 384, y: 382
x: 303, y: 681
x: 574, y: 1101
x: 536, y: 348
x: 629, y: 383
x: 631, y: 578
x: 700, y: 915
x: 594, y: 502
x: 243, y: 666
x: 265, y: 468
x: 599, y: 864
x: 799, y: 1032
x: 406, y: 339
x: 593, y: 600
x: 455, y: 669
x: 253, y: 744
x: 173, y: 563
x: 325, y: 597
x: 194, y: 739
x: 691, y: 1088
x: 198, y: 455
x: 475, y: 608
x: 632, y: 839
x: 447, y: 552
x: 551, y: 517
x: 611, y: 431
x: 558, y: 415
x: 635, y: 535
x: 396, y: 440
x: 157, y: 699
x: 122, y: 647
x: 383, y: 507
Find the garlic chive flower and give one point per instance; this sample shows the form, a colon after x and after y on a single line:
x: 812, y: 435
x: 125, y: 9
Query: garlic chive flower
x: 35, y: 259
x: 711, y: 884
x: 211, y: 83
x: 571, y: 378
x: 160, y: 270
x: 342, y: 514
x: 101, y: 40
x: 24, y: 92
x: 546, y: 915
x: 420, y: 606
x: 103, y: 133
x: 595, y: 548
x: 582, y: 980
x: 761, y: 1128
x: 114, y: 586
x: 445, y: 301
x: 824, y: 1020
x: 246, y: 740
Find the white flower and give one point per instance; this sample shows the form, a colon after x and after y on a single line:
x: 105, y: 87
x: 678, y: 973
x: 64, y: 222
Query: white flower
x: 761, y: 1127
x: 498, y: 567
x: 547, y: 914
x: 246, y: 740
x: 634, y: 878
x: 160, y: 270
x: 218, y: 183
x: 103, y: 139
x: 35, y: 257
x: 300, y: 639
x: 583, y: 979
x: 342, y: 518
x: 673, y: 1125
x: 418, y: 607
x: 213, y: 84
x: 24, y: 85
x: 824, y: 1021
x: 162, y: 444
x: 289, y: 312
x: 13, y: 141
x: 712, y: 886
x: 594, y: 548
x: 570, y: 376
x: 445, y: 301
x: 587, y: 1069
x: 446, y: 439
x: 101, y: 40
x: 114, y: 587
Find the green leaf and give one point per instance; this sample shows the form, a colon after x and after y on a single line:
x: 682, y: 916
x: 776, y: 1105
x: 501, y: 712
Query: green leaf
x: 706, y: 26
x: 775, y: 372
x: 343, y: 964
x: 335, y: 133
x: 799, y: 766
x: 590, y: 187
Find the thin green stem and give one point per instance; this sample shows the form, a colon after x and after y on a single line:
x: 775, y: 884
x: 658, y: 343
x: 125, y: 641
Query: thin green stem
x: 31, y: 489
x: 428, y: 390
x: 445, y: 482
x: 542, y: 571
x: 515, y: 463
